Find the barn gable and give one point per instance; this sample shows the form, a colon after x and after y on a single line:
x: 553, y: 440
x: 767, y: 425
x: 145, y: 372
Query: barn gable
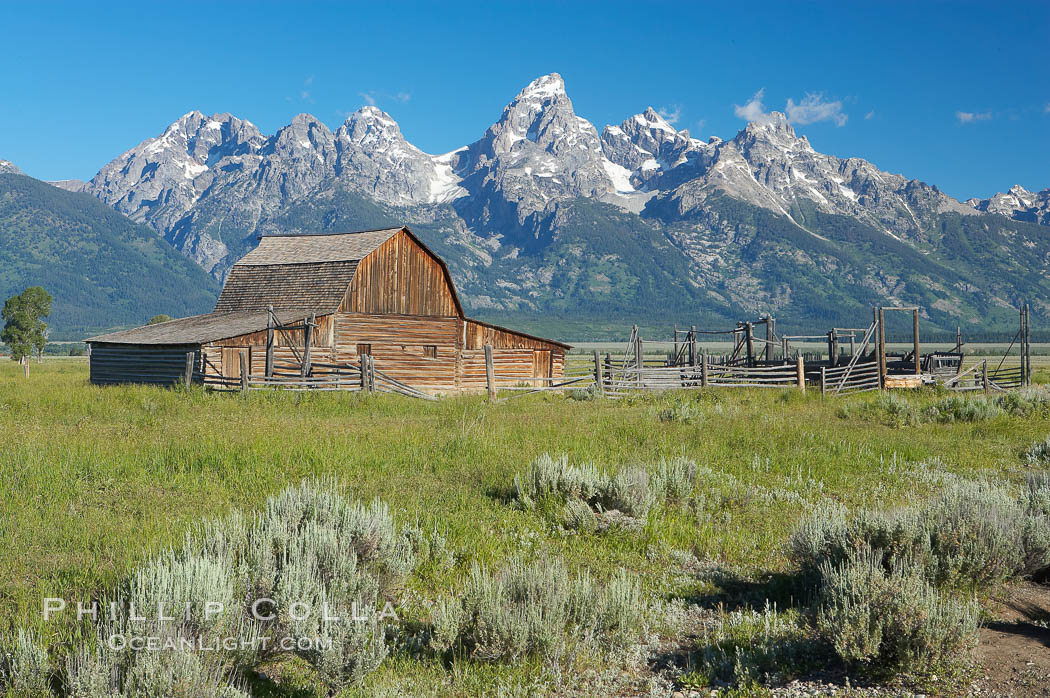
x: 402, y: 277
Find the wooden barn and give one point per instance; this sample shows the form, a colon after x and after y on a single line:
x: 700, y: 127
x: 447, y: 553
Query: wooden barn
x: 305, y: 305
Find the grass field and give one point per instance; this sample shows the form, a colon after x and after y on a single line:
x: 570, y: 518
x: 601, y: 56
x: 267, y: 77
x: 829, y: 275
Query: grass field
x: 97, y: 480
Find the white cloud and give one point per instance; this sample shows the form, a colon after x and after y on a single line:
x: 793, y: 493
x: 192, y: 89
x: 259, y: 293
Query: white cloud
x: 1047, y: 108
x: 304, y: 94
x: 700, y: 125
x: 754, y: 110
x: 402, y: 97
x: 368, y: 97
x: 870, y: 115
x: 813, y: 108
x: 969, y: 117
x: 670, y: 115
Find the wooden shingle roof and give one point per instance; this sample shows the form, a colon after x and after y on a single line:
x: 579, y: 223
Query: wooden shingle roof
x: 319, y: 285
x: 199, y: 329
x: 313, y: 248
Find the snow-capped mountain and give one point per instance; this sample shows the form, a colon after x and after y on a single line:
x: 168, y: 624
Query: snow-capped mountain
x: 542, y: 209
x: 1018, y: 203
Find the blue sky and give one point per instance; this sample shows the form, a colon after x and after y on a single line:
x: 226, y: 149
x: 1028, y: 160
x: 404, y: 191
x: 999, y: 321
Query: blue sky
x: 955, y: 94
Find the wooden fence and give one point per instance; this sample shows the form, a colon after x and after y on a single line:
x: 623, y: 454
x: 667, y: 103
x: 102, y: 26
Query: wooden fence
x: 607, y: 377
x: 352, y: 376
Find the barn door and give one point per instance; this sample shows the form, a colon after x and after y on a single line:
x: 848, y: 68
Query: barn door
x: 541, y: 364
x: 231, y: 361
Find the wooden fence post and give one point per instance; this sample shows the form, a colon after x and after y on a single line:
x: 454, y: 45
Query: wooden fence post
x: 801, y: 373
x: 243, y: 357
x: 984, y: 376
x: 490, y: 372
x: 189, y: 368
x: 308, y: 330
x: 915, y: 335
x: 639, y: 357
x: 269, y: 342
x: 881, y: 331
x: 703, y: 371
x: 692, y: 346
x: 749, y: 339
x: 771, y: 326
x: 598, y: 378
x: 823, y: 381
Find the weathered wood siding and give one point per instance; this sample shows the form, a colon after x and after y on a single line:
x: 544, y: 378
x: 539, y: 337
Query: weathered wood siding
x: 161, y: 364
x: 478, y: 334
x: 400, y: 345
x: 400, y: 278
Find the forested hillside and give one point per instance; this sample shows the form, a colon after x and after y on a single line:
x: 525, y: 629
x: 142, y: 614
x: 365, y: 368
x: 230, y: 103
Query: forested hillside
x: 103, y: 269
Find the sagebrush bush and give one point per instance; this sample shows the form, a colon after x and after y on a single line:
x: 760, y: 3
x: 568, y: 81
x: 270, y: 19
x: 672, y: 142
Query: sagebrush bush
x: 547, y: 477
x: 1026, y: 401
x: 888, y: 407
x: 973, y: 534
x: 891, y: 619
x: 24, y: 666
x: 1038, y: 454
x: 591, y: 392
x: 674, y: 479
x: 537, y: 609
x: 957, y: 408
x: 310, y: 546
x: 750, y: 646
x: 622, y: 500
x: 1037, y: 493
x: 684, y: 412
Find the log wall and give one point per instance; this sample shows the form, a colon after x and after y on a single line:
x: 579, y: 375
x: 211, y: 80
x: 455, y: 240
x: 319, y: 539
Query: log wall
x: 160, y: 364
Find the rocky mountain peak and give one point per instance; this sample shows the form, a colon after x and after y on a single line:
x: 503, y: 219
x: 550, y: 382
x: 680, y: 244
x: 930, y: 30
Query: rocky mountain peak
x: 8, y: 167
x: 544, y: 87
x: 1017, y: 203
x: 371, y: 128
x: 649, y: 147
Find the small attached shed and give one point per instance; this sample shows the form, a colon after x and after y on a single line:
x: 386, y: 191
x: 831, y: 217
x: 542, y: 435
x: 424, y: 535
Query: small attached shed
x: 382, y: 293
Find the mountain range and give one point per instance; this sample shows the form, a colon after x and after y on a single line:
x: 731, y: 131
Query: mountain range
x: 548, y: 221
x: 102, y: 269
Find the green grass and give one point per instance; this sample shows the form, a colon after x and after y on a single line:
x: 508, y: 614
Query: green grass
x: 97, y: 479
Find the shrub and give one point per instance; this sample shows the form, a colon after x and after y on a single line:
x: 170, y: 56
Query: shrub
x: 591, y: 392
x: 627, y: 491
x: 674, y: 479
x: 23, y: 666
x: 547, y: 477
x: 887, y: 407
x: 830, y: 535
x: 1037, y: 493
x: 578, y: 516
x: 622, y: 500
x: 685, y: 412
x: 1026, y: 401
x: 1038, y: 454
x: 536, y: 609
x: 975, y: 530
x: 309, y: 545
x: 957, y: 408
x: 750, y: 646
x: 973, y: 534
x: 891, y: 619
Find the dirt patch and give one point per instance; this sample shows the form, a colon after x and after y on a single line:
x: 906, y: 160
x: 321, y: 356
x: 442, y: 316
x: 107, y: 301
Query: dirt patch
x: 1014, y: 650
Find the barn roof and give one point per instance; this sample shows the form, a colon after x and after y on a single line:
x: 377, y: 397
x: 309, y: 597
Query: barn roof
x: 318, y: 285
x: 313, y: 247
x: 308, y: 270
x: 199, y: 329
